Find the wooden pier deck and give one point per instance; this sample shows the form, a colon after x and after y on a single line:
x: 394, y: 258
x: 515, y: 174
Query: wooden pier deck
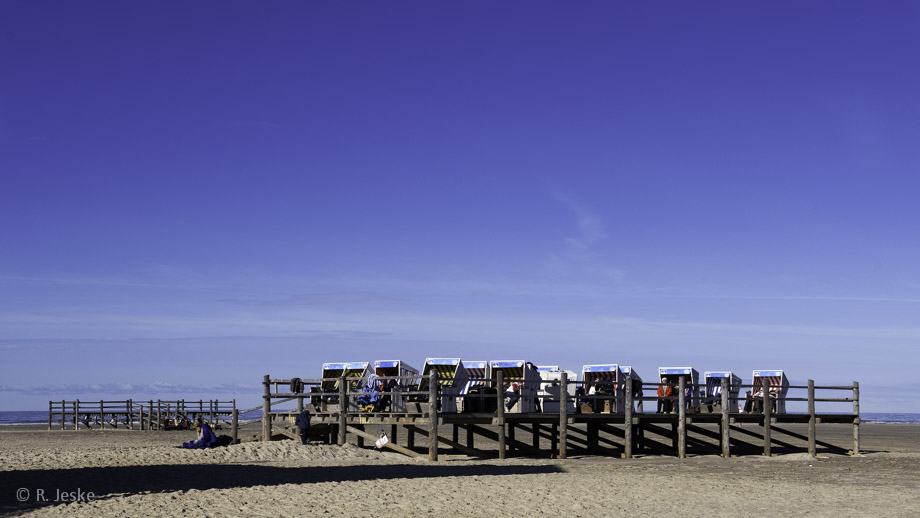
x: 560, y: 434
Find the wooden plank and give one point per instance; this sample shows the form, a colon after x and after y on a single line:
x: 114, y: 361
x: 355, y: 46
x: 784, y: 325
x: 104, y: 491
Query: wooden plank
x: 390, y: 445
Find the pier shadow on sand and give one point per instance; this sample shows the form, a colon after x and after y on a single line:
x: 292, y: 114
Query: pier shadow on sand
x: 107, y: 482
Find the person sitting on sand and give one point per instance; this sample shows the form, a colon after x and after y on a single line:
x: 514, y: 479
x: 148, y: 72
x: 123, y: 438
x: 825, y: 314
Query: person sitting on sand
x: 206, y: 437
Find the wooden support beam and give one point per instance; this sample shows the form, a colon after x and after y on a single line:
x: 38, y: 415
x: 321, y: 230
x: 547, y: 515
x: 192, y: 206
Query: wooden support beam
x: 266, y: 408
x: 433, y: 416
x: 811, y: 418
x: 627, y: 421
x: 682, y: 417
x: 767, y: 416
x: 456, y: 445
x: 563, y: 414
x: 343, y: 410
x: 725, y: 439
x: 500, y: 395
x: 855, y: 418
x: 390, y: 445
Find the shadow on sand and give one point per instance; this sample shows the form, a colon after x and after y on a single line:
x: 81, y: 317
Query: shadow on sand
x: 105, y: 482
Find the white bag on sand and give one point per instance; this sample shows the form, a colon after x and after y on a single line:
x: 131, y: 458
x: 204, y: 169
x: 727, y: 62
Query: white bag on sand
x: 382, y: 440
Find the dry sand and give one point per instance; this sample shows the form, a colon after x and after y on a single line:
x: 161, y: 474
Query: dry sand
x: 142, y: 474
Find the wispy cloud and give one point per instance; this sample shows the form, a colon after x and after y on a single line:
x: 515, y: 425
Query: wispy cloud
x: 342, y: 298
x: 129, y: 389
x: 580, y: 255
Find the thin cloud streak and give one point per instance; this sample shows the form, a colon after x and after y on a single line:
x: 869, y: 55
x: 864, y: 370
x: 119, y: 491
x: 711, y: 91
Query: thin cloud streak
x: 157, y: 387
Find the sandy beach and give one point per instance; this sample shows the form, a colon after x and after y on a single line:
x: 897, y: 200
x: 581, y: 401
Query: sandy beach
x: 132, y: 473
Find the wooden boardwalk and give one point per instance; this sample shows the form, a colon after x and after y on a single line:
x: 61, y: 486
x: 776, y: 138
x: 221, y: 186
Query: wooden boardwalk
x: 559, y: 434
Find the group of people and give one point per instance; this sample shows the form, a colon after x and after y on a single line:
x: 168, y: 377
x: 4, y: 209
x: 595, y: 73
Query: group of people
x: 376, y: 395
x: 753, y: 403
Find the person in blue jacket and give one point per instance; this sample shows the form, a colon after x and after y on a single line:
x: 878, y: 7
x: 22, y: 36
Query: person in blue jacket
x: 206, y: 437
x: 303, y: 424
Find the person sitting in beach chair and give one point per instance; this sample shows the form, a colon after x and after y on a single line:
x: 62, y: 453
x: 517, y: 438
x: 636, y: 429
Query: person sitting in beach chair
x: 206, y: 437
x: 513, y: 393
x: 369, y: 400
x: 665, y: 396
x: 386, y: 397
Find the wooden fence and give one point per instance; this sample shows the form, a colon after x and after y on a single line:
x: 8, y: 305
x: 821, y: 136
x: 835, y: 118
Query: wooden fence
x: 141, y: 415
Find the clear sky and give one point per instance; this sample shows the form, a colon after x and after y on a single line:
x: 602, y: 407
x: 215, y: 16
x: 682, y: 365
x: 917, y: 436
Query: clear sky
x: 195, y: 194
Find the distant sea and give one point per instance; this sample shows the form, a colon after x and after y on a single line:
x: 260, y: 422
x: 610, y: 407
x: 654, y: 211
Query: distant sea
x: 34, y: 417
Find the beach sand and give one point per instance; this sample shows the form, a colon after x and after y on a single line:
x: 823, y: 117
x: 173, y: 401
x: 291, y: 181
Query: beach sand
x: 133, y: 473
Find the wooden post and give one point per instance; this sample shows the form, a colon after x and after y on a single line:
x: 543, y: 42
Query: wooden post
x: 456, y: 434
x: 140, y: 418
x: 150, y: 415
x: 855, y: 418
x: 511, y: 428
x: 553, y: 437
x: 159, y: 415
x: 812, y: 419
x: 682, y: 417
x: 50, y: 413
x: 433, y: 416
x: 343, y: 409
x: 130, y: 414
x: 536, y: 435
x: 726, y: 418
x: 235, y: 425
x: 640, y: 407
x: 266, y: 409
x: 767, y: 415
x: 469, y: 436
x: 410, y: 437
x: 563, y: 414
x: 627, y: 421
x: 500, y: 394
x: 75, y: 421
x: 101, y: 416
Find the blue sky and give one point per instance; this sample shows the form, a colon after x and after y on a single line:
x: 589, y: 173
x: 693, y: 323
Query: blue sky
x: 195, y: 195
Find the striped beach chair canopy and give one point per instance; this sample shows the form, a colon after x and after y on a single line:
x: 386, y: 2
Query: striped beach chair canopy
x: 445, y: 367
x: 475, y: 369
x: 512, y: 370
x: 714, y: 382
x: 776, y: 379
x: 358, y: 370
x: 332, y: 370
x: 608, y: 374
